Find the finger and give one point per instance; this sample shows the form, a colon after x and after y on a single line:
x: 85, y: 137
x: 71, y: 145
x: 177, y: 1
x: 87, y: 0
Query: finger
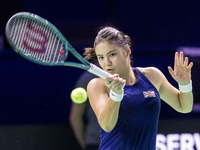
x: 190, y: 65
x: 116, y: 84
x: 123, y: 82
x: 171, y: 71
x: 176, y: 59
x: 118, y: 81
x: 109, y: 79
x: 181, y: 58
x: 186, y: 61
x: 115, y: 75
x: 119, y: 85
x: 112, y: 78
x: 115, y: 80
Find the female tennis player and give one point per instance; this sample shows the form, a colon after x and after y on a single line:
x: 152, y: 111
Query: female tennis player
x: 127, y: 103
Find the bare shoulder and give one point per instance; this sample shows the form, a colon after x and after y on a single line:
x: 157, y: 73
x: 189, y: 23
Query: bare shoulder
x: 149, y: 71
x: 96, y: 85
x: 153, y: 74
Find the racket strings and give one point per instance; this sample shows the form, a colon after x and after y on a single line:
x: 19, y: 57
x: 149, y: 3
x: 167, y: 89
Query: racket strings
x: 36, y: 39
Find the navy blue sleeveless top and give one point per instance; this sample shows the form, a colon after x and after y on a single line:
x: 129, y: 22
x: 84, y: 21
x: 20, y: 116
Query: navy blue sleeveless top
x: 136, y: 128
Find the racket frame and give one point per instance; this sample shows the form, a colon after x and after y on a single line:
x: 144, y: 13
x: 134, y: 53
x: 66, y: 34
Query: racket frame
x: 86, y: 64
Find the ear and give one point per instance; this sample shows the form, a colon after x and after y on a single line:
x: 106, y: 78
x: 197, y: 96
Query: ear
x: 128, y: 50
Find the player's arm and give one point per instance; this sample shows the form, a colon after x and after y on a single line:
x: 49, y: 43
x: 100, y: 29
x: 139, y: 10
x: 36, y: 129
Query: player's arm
x: 180, y: 101
x: 105, y: 108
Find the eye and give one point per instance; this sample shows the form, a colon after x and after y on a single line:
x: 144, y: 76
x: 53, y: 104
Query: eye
x: 100, y: 57
x: 112, y: 54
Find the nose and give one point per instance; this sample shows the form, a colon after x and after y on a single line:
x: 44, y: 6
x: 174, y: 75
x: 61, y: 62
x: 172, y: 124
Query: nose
x: 107, y: 61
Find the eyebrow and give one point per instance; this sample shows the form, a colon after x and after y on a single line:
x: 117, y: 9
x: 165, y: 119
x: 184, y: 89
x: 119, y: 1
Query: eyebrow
x: 108, y: 52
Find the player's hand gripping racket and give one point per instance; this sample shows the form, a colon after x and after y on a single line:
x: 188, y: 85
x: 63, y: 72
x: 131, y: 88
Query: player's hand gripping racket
x: 39, y: 41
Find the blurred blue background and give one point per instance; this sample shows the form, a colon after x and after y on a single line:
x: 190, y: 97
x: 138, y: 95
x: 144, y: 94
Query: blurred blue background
x: 34, y: 94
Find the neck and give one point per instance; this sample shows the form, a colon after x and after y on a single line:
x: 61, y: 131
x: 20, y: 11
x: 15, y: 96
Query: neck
x: 130, y: 77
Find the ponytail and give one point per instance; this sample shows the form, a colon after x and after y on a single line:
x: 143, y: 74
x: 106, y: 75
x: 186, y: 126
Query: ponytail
x: 90, y: 55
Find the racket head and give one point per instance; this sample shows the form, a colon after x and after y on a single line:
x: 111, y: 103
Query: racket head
x: 36, y: 39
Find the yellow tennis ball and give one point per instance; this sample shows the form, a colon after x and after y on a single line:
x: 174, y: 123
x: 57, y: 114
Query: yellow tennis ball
x: 79, y: 95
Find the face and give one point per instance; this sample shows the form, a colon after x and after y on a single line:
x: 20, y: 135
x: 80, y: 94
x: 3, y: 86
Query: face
x: 112, y: 58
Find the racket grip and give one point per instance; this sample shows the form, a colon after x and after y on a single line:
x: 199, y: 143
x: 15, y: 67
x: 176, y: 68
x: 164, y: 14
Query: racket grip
x: 98, y: 71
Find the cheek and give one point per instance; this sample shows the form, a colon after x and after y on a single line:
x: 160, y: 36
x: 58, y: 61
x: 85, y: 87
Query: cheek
x: 100, y: 64
x: 120, y: 62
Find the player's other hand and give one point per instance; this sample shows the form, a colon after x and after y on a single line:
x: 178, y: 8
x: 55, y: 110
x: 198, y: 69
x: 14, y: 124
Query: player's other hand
x: 182, y: 69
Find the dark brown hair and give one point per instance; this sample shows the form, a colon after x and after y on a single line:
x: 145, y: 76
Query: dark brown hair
x: 90, y: 55
x: 108, y: 34
x: 112, y: 35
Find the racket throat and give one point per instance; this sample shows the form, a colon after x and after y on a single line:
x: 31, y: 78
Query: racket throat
x: 98, y: 72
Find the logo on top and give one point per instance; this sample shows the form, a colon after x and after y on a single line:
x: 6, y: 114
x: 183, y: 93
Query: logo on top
x: 148, y: 94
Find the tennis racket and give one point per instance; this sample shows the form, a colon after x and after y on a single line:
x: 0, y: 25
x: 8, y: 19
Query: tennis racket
x: 39, y: 41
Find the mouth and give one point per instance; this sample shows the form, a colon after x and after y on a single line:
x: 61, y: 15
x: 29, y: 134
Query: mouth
x: 109, y: 70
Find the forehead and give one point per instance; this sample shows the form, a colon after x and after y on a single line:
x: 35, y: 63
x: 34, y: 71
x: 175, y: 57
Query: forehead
x: 105, y: 47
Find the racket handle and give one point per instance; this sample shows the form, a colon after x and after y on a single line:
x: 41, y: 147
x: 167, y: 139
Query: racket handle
x: 98, y: 71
